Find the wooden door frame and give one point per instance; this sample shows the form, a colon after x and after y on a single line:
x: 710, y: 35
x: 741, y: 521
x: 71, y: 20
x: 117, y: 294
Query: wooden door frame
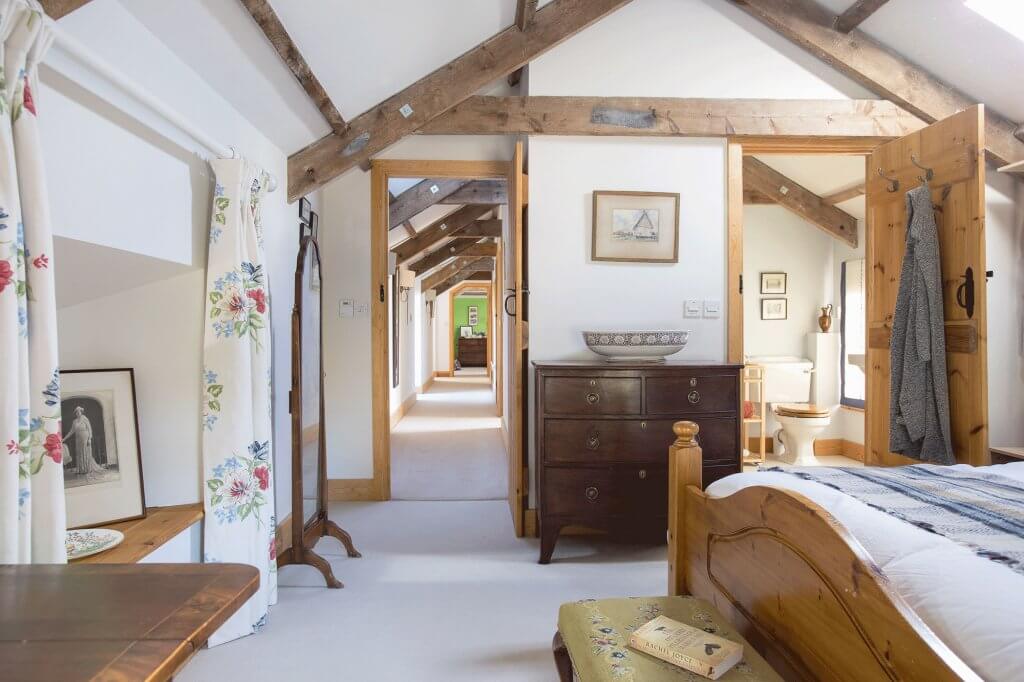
x: 381, y: 171
x: 736, y: 149
x: 452, y: 293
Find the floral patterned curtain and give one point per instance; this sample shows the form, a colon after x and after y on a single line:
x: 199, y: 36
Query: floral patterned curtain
x: 237, y: 460
x: 32, y: 518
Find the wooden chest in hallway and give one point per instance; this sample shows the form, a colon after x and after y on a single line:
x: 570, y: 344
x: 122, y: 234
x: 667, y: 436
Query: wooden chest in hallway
x: 602, y: 436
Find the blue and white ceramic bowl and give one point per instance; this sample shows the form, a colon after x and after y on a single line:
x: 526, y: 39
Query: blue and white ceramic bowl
x: 636, y: 346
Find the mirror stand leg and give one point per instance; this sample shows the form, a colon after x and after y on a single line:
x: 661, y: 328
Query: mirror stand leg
x: 335, y: 531
x: 318, y: 562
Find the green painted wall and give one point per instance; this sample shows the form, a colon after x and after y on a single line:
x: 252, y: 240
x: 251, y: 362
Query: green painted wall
x: 460, y: 310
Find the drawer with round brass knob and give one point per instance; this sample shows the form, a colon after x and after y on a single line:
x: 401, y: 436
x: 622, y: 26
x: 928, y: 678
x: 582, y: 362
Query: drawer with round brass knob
x: 590, y: 395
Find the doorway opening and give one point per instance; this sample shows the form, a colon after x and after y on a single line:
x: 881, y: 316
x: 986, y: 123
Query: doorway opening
x: 804, y: 315
x: 439, y: 343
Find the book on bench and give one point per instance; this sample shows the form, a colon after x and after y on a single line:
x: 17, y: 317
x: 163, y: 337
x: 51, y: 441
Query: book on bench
x: 687, y: 647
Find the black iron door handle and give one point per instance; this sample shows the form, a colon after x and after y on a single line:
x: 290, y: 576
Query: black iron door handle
x: 510, y: 297
x: 965, y: 292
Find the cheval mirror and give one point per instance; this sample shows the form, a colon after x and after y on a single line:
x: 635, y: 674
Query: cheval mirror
x: 309, y: 520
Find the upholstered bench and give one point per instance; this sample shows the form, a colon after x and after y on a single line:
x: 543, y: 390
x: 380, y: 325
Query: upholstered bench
x: 592, y: 642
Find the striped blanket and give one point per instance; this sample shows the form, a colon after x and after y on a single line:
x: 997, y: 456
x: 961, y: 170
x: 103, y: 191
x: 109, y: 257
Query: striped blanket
x: 981, y: 511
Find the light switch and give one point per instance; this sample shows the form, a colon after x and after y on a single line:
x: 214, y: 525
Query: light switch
x: 692, y: 308
x: 362, y: 308
x: 712, y: 307
x: 347, y: 308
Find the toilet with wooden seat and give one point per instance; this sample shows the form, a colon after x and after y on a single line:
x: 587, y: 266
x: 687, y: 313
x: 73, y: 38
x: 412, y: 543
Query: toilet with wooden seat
x: 787, y: 382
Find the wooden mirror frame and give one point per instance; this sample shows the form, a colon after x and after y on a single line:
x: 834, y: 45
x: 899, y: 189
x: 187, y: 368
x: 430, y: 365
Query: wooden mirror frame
x: 306, y: 533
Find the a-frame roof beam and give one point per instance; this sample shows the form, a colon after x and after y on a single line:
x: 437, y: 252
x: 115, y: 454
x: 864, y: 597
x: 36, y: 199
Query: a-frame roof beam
x: 441, y: 228
x: 857, y: 13
x: 406, y: 111
x: 420, y: 197
x: 467, y: 265
x: 464, y: 276
x: 450, y: 249
x: 265, y: 16
x: 880, y: 69
x: 765, y: 180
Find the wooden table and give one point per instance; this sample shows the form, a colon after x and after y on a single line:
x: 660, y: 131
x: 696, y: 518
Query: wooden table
x: 113, y: 621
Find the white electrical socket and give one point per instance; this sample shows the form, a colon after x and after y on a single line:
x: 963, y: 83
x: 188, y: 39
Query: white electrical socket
x: 347, y: 308
x: 692, y: 308
x: 712, y: 308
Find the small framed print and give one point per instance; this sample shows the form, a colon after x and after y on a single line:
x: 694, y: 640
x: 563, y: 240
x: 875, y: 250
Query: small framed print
x: 774, y: 309
x: 474, y: 315
x: 773, y: 282
x: 101, y: 453
x: 635, y: 227
x: 314, y: 225
x: 305, y: 211
x: 465, y: 332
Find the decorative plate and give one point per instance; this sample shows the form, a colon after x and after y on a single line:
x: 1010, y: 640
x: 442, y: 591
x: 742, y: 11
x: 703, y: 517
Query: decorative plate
x: 88, y: 541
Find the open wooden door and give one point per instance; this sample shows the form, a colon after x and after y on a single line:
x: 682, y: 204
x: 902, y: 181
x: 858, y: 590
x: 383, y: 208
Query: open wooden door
x: 954, y: 149
x: 515, y: 304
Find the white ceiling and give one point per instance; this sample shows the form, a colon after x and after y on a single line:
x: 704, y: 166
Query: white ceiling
x: 954, y: 43
x: 363, y: 52
x: 221, y: 42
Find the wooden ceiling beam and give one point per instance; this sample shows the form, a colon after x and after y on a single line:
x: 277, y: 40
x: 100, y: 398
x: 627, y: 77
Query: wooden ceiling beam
x: 479, y: 192
x: 55, y: 9
x: 464, y: 276
x: 406, y: 111
x: 459, y: 265
x: 762, y: 178
x: 420, y: 197
x: 844, y: 194
x: 409, y: 229
x: 481, y: 228
x: 880, y: 69
x: 453, y: 248
x: 751, y: 197
x: 875, y: 120
x: 856, y: 14
x: 266, y: 18
x: 442, y: 228
x: 525, y: 9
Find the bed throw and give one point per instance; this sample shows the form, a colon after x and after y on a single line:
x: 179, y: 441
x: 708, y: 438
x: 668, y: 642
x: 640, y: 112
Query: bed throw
x: 980, y: 511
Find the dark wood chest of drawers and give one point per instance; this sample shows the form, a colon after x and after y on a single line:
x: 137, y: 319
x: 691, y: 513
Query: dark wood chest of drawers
x: 473, y: 352
x: 602, y: 436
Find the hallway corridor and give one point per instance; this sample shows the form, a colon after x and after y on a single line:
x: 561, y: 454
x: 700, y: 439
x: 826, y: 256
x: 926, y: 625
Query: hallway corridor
x: 448, y: 446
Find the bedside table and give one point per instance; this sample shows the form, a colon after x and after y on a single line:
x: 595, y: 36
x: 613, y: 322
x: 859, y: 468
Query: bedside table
x: 1007, y: 455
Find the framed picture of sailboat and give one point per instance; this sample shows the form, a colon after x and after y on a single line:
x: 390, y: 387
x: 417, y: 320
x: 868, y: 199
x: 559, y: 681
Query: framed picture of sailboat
x: 635, y: 227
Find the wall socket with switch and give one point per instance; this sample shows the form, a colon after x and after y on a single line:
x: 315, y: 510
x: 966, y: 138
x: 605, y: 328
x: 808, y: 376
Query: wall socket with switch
x: 692, y: 308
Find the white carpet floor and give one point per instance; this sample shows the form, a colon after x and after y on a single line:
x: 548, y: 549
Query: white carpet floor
x: 444, y: 592
x: 448, y: 446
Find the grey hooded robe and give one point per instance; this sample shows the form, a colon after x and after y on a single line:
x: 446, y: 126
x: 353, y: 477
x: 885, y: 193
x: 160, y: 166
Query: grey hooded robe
x: 919, y: 400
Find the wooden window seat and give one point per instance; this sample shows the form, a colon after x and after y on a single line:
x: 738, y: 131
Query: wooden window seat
x: 142, y: 537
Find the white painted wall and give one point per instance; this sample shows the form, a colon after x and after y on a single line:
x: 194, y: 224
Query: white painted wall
x: 121, y: 176
x: 442, y: 352
x: 425, y: 325
x: 407, y: 377
x: 777, y: 240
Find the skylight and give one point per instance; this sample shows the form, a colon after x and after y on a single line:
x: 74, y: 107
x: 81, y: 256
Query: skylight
x: 1006, y: 14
